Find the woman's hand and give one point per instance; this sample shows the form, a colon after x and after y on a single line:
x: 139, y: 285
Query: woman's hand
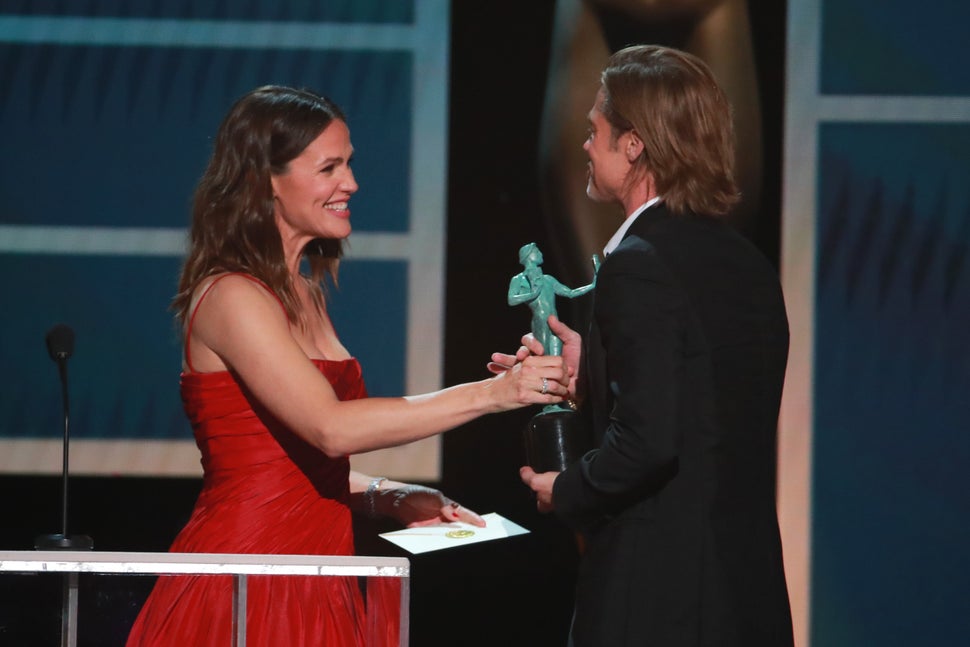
x: 572, y: 347
x: 536, y: 379
x: 417, y: 505
x: 502, y: 362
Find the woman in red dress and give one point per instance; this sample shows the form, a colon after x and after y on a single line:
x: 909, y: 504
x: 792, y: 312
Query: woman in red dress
x: 278, y: 404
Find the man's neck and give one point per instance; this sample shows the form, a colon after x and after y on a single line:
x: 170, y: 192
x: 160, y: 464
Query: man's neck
x: 639, y: 194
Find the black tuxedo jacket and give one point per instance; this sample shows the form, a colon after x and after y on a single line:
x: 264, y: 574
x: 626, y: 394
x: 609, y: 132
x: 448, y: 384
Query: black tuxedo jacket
x: 684, y: 361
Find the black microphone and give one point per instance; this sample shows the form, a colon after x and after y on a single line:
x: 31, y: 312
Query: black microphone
x: 60, y: 346
x: 60, y: 342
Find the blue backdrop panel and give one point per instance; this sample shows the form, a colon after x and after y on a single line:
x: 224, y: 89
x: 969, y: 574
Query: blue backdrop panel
x: 349, y: 11
x: 892, y: 374
x: 123, y: 376
x: 105, y: 135
x: 367, y: 311
x: 895, y: 47
x: 118, y: 136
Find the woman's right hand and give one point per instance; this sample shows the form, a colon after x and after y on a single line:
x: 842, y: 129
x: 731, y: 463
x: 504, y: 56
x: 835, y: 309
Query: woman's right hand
x: 502, y: 362
x: 572, y: 346
x: 535, y: 379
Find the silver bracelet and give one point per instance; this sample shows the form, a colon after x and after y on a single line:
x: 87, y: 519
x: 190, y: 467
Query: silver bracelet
x: 372, y: 489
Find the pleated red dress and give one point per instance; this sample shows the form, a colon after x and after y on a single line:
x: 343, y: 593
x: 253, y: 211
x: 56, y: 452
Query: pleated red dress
x: 265, y: 490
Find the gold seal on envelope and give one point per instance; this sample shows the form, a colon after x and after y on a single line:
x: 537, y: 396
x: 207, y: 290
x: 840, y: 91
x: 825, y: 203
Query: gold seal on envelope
x: 460, y: 534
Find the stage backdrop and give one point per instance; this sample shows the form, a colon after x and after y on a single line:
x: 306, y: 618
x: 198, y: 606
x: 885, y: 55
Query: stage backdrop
x: 106, y: 121
x: 875, y: 449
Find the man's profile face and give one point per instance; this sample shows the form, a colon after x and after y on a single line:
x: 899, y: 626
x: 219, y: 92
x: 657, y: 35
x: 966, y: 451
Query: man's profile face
x: 608, y: 165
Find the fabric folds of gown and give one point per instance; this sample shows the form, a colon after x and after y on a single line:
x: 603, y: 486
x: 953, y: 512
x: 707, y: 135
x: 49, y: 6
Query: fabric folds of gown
x: 265, y: 491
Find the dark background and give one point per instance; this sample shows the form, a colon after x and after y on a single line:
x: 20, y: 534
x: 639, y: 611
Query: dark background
x: 512, y: 592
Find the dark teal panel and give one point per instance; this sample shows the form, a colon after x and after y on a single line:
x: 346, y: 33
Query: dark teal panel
x: 369, y: 311
x: 895, y: 47
x: 111, y: 136
x: 349, y: 11
x: 891, y: 489
x: 117, y: 137
x: 123, y: 376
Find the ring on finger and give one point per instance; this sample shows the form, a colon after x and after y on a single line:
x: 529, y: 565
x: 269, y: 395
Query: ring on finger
x: 545, y: 386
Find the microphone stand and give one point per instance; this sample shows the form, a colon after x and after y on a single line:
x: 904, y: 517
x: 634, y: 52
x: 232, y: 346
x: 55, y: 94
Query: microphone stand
x: 61, y: 540
x: 60, y: 345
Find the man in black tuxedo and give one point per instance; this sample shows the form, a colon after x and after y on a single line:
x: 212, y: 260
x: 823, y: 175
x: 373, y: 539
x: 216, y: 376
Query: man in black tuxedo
x: 680, y: 378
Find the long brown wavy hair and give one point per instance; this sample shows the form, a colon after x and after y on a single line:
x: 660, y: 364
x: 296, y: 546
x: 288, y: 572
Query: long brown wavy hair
x: 672, y: 101
x: 233, y: 225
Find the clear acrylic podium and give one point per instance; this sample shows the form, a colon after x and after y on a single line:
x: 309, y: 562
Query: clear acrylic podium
x: 73, y: 563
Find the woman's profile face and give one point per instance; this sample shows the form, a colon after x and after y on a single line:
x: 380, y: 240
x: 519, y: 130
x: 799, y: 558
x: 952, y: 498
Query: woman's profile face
x: 311, y: 198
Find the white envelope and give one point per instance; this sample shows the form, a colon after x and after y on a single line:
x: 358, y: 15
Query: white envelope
x: 453, y: 535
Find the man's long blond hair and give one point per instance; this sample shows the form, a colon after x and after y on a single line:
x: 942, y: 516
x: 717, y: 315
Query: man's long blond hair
x: 672, y: 101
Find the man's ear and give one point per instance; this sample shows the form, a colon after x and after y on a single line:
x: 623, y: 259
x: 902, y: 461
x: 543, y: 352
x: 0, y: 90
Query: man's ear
x: 634, y: 146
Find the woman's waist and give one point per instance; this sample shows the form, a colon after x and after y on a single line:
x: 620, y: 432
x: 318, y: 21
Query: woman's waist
x: 269, y: 490
x: 271, y: 468
x: 276, y: 524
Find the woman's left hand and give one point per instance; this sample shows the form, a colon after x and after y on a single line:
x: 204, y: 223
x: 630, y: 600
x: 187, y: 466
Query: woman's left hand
x: 417, y: 505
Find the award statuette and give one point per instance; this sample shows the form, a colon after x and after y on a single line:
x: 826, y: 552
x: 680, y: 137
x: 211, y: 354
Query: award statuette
x: 554, y: 437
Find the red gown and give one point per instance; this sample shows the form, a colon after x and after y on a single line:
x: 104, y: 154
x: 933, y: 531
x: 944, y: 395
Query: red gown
x: 265, y: 491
